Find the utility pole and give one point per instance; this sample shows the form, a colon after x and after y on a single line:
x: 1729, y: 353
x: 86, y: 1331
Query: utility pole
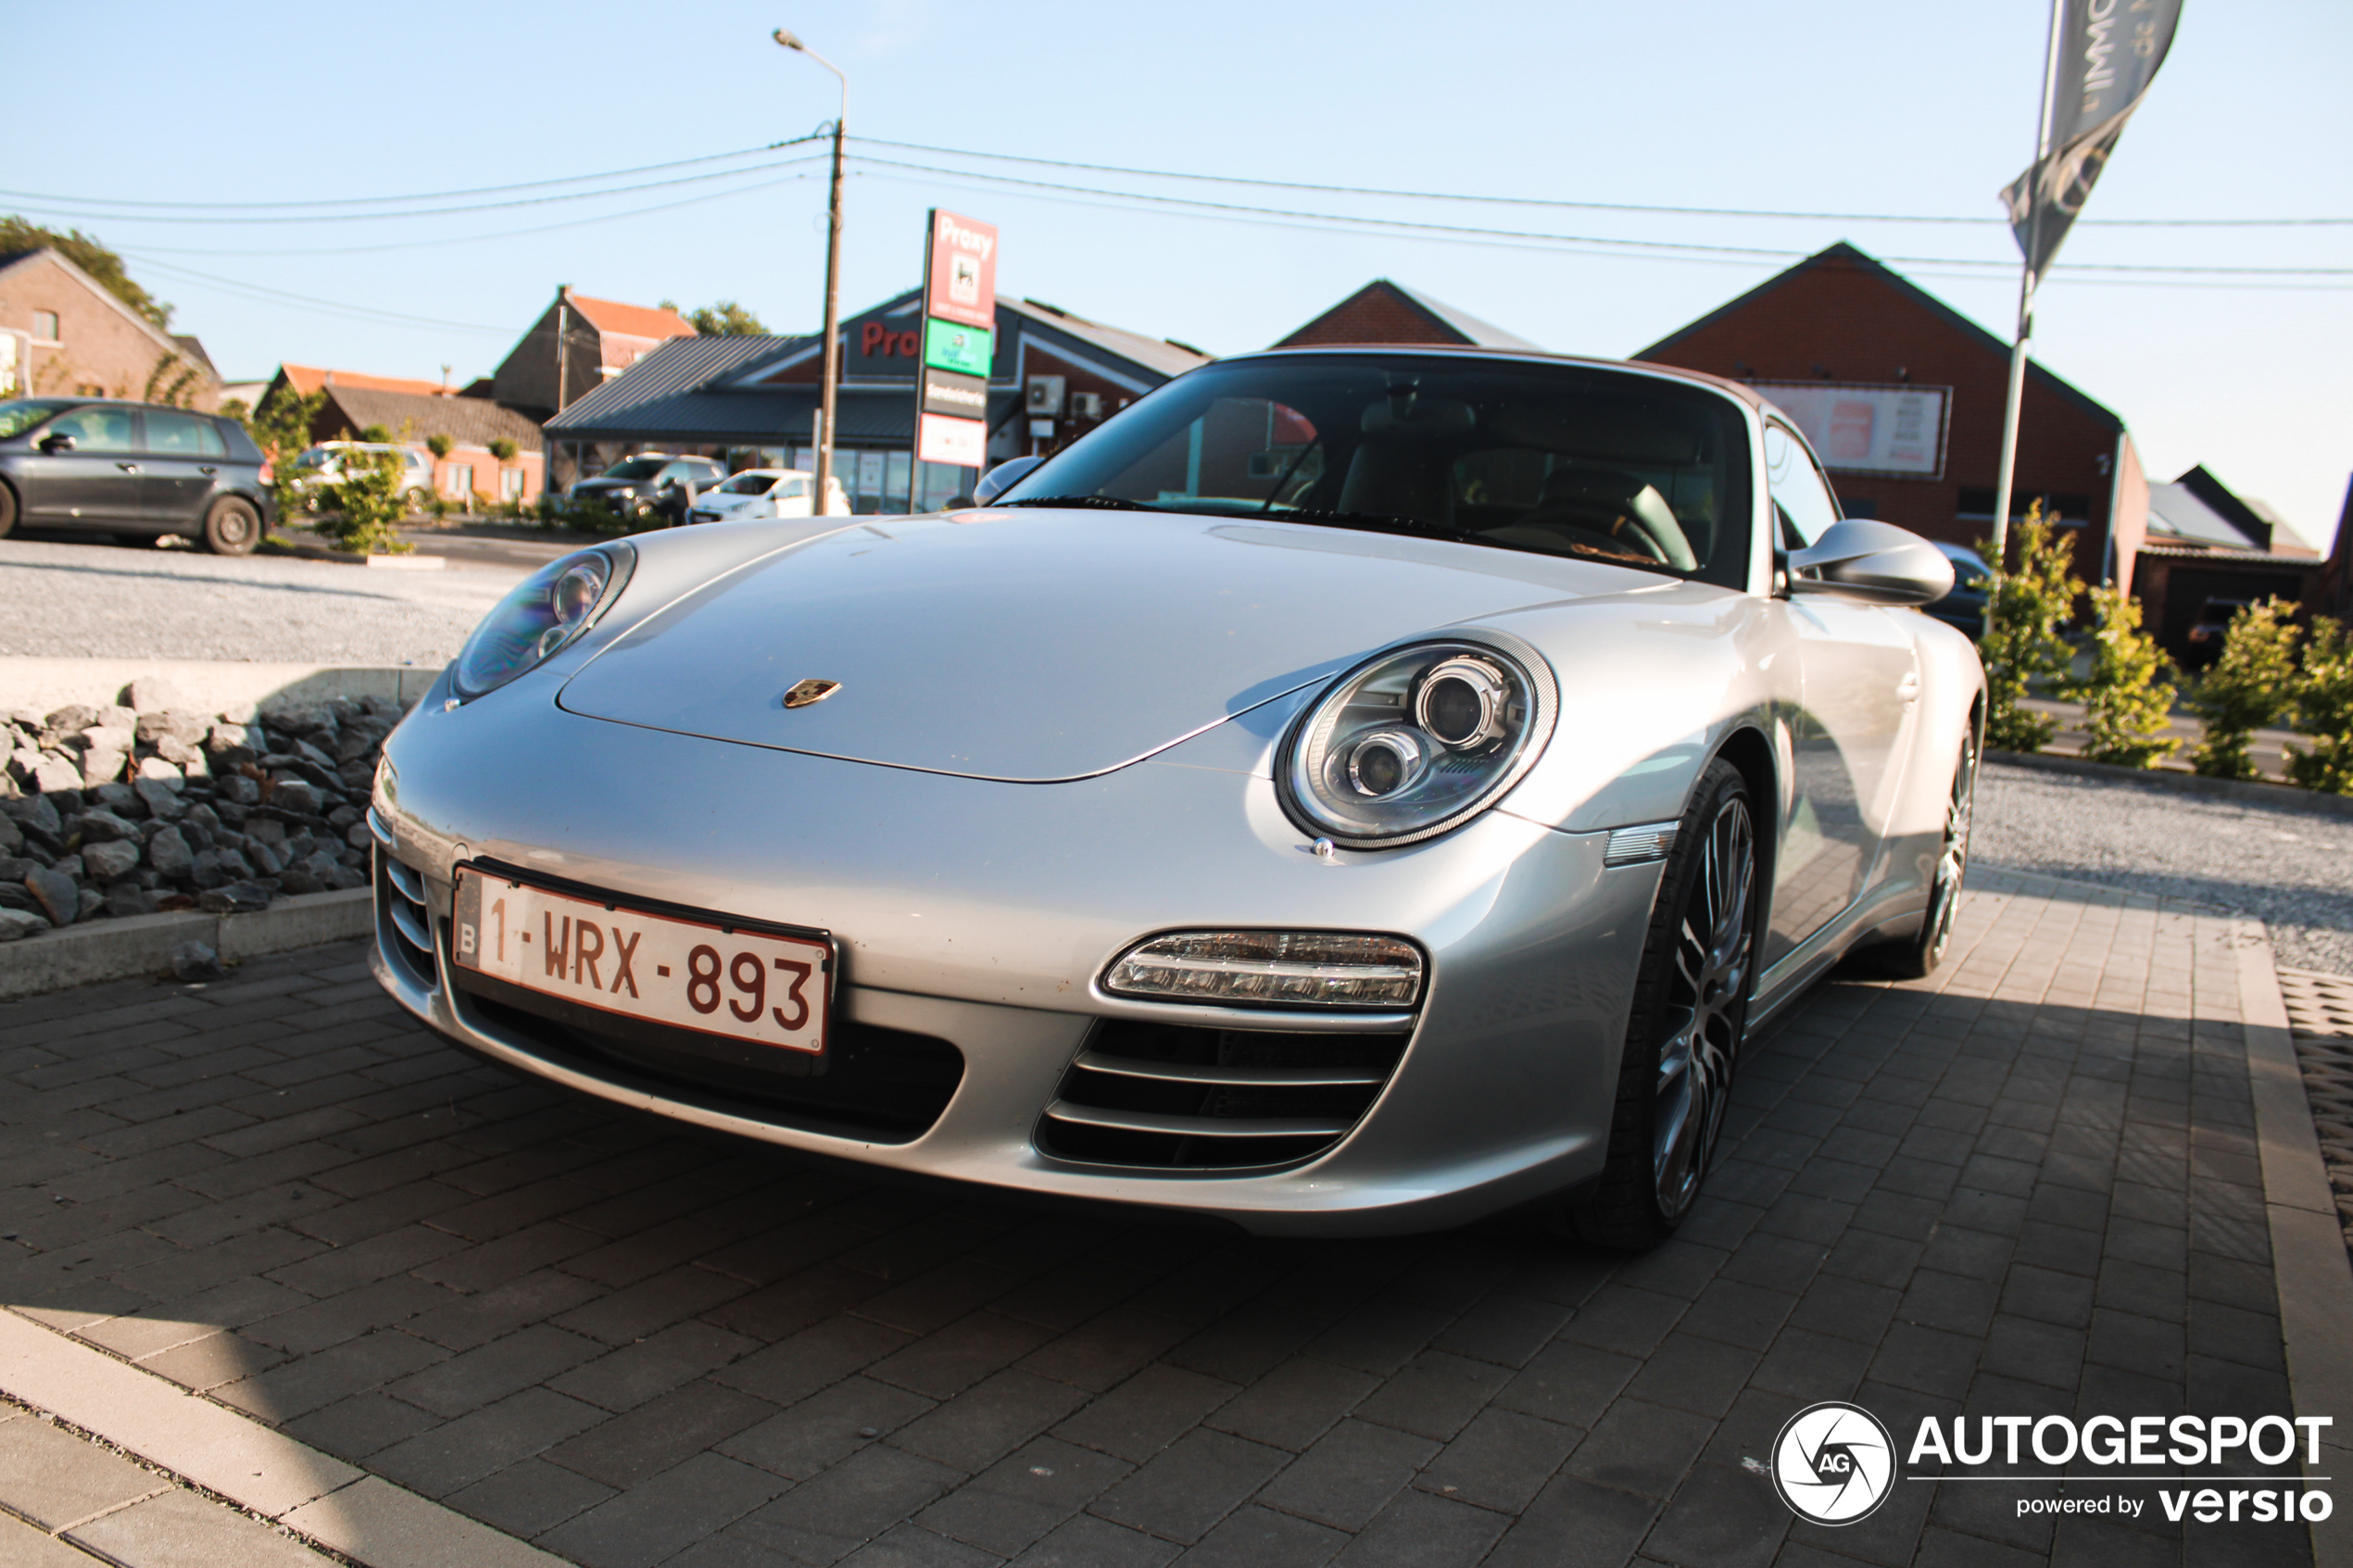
x: 563, y: 355
x: 825, y: 394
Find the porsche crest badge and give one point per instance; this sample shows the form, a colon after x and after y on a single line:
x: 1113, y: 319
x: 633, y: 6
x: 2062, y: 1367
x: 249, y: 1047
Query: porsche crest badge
x: 803, y: 693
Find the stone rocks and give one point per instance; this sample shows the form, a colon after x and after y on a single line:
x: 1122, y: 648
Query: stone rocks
x: 195, y: 960
x: 109, y: 862
x: 56, y: 894
x: 113, y: 810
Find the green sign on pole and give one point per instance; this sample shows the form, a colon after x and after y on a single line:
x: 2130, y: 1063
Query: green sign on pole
x: 948, y: 346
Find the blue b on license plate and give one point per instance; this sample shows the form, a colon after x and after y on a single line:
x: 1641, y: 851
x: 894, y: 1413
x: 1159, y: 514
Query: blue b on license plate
x: 753, y: 985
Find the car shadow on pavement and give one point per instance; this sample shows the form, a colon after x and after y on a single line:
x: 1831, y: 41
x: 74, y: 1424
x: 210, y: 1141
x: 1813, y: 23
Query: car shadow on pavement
x: 2028, y: 1186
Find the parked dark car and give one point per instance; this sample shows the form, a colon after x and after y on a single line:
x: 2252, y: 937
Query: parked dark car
x: 2208, y: 633
x: 650, y: 483
x: 1964, y: 608
x: 133, y: 470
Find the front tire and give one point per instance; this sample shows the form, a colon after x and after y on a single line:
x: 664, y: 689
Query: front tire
x: 232, y: 528
x: 1690, y: 1017
x: 8, y: 510
x: 1916, y: 957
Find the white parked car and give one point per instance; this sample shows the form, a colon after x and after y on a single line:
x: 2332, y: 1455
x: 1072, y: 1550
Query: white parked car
x: 323, y: 464
x: 767, y: 493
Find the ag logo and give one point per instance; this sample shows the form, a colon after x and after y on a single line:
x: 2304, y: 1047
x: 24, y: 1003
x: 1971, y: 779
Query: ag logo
x: 1833, y: 1464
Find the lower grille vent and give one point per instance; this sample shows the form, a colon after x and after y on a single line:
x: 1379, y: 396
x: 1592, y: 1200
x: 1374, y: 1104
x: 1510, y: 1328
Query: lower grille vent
x: 1175, y: 1097
x: 400, y: 909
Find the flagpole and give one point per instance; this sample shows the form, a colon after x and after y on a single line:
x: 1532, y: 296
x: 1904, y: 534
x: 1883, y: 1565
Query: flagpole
x: 2009, y: 474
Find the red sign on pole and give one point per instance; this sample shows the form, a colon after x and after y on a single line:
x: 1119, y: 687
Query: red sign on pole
x: 962, y: 273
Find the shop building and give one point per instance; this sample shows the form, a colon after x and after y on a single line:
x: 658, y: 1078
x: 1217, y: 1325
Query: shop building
x: 1902, y: 395
x: 753, y: 401
x: 1383, y: 311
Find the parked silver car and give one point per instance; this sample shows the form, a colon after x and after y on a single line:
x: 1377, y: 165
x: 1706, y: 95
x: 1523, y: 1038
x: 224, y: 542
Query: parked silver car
x: 1350, y: 791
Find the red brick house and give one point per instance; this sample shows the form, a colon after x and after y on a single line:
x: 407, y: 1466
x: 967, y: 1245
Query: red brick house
x: 1841, y: 339
x: 81, y: 341
x: 1386, y: 312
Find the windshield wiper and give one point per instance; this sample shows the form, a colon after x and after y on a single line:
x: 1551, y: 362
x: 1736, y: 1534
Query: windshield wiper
x: 1377, y: 522
x: 1100, y: 503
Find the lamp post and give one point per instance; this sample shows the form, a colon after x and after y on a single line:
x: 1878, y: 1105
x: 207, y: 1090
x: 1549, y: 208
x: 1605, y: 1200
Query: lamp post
x: 832, y: 284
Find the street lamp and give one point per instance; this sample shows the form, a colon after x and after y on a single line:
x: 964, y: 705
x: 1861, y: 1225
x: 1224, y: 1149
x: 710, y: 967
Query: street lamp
x: 833, y: 283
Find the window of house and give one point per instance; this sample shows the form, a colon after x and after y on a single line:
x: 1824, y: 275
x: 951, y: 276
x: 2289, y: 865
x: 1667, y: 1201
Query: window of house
x: 45, y: 326
x: 510, y: 485
x: 458, y: 481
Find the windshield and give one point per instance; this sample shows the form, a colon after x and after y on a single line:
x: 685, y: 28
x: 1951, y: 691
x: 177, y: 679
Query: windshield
x: 634, y: 468
x: 17, y: 416
x: 748, y: 485
x: 1567, y: 460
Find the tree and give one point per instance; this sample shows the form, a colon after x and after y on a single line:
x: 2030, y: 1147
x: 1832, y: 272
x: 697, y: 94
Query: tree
x: 366, y: 505
x: 504, y: 450
x: 2324, y: 710
x: 86, y: 252
x: 2251, y: 685
x: 2024, y: 609
x: 280, y: 427
x: 439, y: 445
x: 380, y: 435
x: 2127, y: 701
x: 725, y: 319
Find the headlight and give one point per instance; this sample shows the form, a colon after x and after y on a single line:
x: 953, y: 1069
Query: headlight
x: 1417, y: 740
x: 545, y: 611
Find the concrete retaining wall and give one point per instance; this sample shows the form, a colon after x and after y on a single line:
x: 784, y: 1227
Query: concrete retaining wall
x: 238, y: 690
x: 124, y: 949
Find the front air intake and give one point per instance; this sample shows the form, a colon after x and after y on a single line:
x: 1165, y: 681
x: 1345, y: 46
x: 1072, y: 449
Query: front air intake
x: 1175, y: 1097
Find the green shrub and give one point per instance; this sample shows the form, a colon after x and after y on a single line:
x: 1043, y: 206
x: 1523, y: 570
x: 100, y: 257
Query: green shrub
x: 2251, y: 685
x: 2024, y: 609
x: 439, y: 446
x: 2127, y: 699
x: 364, y: 507
x: 504, y: 450
x: 2324, y: 710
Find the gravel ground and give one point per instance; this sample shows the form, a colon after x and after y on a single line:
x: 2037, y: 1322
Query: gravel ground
x: 81, y: 600
x: 2292, y: 869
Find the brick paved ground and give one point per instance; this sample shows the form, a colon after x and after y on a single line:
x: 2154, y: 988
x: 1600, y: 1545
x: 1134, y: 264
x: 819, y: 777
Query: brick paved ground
x: 2028, y: 1187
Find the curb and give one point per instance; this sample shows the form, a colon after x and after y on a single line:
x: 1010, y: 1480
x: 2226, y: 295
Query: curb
x: 281, y: 549
x: 2286, y: 796
x: 366, y: 1519
x: 2308, y: 1261
x: 139, y: 945
x: 232, y: 687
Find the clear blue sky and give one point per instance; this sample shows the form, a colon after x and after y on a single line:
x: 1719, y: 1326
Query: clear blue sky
x: 1833, y: 105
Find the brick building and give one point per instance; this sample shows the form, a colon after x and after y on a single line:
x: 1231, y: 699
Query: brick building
x: 80, y: 340
x: 1386, y: 312
x: 599, y: 338
x: 412, y: 411
x: 1903, y: 395
x: 751, y: 400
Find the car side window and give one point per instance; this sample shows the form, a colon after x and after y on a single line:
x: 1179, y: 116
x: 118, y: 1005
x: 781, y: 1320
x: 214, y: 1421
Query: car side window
x: 1803, y: 506
x: 183, y: 435
x: 95, y: 429
x: 793, y: 489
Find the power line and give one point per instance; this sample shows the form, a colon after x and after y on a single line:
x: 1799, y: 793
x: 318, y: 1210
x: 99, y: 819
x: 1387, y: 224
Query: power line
x: 510, y: 234
x: 278, y: 297
x: 1553, y: 245
x: 434, y: 195
x: 436, y: 211
x: 1630, y: 245
x: 1585, y: 206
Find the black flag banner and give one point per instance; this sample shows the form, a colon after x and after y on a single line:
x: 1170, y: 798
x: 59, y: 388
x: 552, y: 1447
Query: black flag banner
x: 2108, y: 54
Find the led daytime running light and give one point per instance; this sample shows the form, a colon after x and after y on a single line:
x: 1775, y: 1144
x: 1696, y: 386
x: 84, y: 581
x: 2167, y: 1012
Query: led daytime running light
x: 1262, y: 968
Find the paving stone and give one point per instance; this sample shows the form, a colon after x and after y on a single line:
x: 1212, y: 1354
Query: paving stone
x: 625, y: 1450
x: 823, y: 1520
x: 55, y: 1479
x: 981, y: 1423
x: 662, y: 1516
x: 626, y: 1378
x: 1295, y: 1403
x: 826, y: 1427
x: 1575, y: 1523
x: 1182, y: 1492
x: 179, y: 1529
x: 476, y: 1377
x: 528, y: 1497
x: 1146, y: 1413
x: 1350, y: 1475
x: 459, y: 1453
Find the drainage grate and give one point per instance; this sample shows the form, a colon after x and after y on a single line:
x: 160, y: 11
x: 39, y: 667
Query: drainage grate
x: 2320, y: 1011
x: 1175, y: 1097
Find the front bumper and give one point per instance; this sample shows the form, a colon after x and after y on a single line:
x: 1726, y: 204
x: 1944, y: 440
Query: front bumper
x: 980, y: 914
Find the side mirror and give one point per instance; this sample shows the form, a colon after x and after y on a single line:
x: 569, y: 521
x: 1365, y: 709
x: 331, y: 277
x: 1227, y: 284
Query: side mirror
x: 53, y: 445
x: 1871, y: 563
x: 1002, y: 478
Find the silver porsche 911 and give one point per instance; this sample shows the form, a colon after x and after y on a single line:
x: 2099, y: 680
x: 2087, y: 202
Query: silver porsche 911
x: 1351, y: 791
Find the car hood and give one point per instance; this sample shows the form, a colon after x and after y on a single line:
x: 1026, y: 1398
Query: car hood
x: 1035, y: 645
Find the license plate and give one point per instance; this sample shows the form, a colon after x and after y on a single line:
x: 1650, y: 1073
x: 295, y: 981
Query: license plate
x: 744, y: 984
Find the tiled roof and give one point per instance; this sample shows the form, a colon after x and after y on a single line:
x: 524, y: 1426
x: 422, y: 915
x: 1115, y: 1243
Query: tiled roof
x: 634, y: 321
x: 307, y: 379
x: 469, y: 421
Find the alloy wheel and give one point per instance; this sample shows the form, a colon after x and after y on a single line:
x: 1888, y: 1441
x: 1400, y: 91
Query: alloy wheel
x: 1952, y: 861
x: 1707, y: 1007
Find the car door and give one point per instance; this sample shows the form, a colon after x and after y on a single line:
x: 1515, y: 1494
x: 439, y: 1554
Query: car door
x: 790, y: 497
x: 1859, y: 677
x: 97, y: 484
x: 184, y: 453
